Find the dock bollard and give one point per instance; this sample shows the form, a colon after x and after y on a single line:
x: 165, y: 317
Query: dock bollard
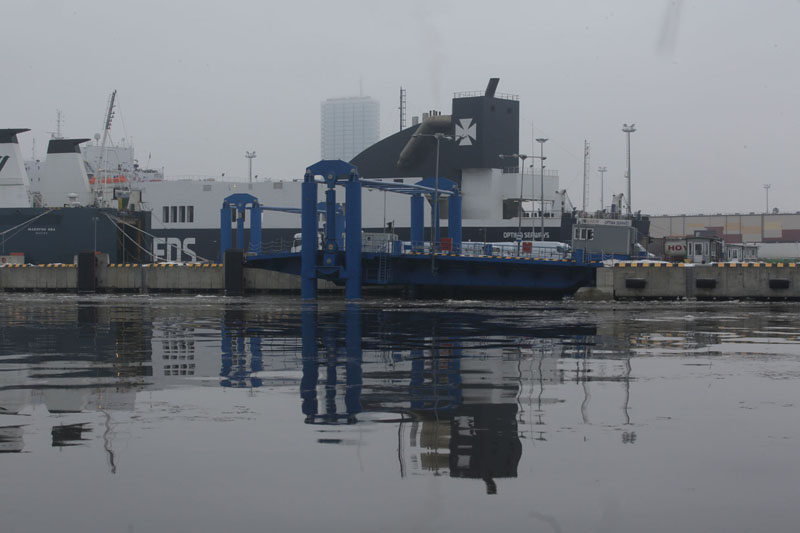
x: 87, y: 272
x: 234, y: 272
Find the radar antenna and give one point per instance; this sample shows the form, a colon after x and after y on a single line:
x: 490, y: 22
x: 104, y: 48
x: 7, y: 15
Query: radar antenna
x: 402, y: 109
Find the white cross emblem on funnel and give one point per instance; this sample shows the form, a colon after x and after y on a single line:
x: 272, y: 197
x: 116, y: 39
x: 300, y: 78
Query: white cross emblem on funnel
x: 466, y: 131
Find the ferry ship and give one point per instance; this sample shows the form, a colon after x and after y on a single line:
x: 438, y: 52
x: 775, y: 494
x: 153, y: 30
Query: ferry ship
x: 481, y: 127
x: 501, y: 202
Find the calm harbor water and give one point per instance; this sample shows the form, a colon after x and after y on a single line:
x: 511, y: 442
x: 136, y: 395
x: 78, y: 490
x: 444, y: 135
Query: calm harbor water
x: 219, y: 414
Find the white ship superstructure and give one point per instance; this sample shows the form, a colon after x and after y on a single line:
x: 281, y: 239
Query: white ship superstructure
x: 14, y: 183
x: 185, y: 213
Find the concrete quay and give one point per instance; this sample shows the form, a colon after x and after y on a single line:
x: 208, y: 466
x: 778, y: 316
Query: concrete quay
x: 716, y: 281
x: 144, y: 278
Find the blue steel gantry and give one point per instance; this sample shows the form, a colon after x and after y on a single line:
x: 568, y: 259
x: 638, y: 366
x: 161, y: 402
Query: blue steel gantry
x: 417, y: 263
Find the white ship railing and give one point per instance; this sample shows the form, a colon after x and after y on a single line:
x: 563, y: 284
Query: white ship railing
x: 469, y: 249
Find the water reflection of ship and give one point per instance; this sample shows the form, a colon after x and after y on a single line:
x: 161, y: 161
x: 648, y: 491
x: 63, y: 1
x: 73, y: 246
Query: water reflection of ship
x: 462, y: 391
x: 73, y: 358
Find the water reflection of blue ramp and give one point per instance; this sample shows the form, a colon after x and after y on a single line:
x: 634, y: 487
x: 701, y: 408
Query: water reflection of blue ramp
x: 332, y: 358
x: 240, y: 365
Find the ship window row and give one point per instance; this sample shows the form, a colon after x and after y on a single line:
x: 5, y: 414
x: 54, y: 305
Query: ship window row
x: 178, y: 213
x: 177, y: 346
x: 178, y: 357
x: 178, y: 370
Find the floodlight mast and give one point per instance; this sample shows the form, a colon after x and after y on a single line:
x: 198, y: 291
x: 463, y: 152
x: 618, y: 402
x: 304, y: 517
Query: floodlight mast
x: 438, y: 136
x: 521, y: 157
x: 541, y: 142
x: 602, y: 170
x: 250, y: 156
x: 628, y: 129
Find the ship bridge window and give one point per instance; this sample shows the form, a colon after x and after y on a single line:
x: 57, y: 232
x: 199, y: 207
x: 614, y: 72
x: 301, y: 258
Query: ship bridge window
x: 165, y: 216
x: 510, y: 208
x: 583, y: 234
x: 173, y: 213
x: 190, y: 213
x: 182, y: 211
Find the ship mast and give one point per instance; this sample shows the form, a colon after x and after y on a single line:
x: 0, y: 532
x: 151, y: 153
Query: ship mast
x: 106, y: 130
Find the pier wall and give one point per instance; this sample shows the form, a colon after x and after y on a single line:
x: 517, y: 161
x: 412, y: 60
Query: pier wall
x: 621, y: 282
x: 49, y: 278
x: 146, y: 278
x: 725, y: 281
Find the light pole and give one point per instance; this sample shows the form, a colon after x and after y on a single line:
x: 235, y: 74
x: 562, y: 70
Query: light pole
x: 438, y: 137
x: 628, y: 129
x: 522, y: 157
x: 766, y: 190
x: 541, y: 142
x: 602, y: 171
x: 250, y: 156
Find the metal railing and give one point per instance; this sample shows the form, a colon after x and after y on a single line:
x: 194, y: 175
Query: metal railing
x: 471, y: 94
x: 278, y: 246
x: 469, y: 249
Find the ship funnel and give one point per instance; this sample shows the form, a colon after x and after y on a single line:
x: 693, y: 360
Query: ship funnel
x: 14, y: 183
x: 417, y: 146
x: 65, y: 173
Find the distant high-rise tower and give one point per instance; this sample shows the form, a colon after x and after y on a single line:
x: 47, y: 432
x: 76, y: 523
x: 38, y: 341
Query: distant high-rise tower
x: 349, y: 125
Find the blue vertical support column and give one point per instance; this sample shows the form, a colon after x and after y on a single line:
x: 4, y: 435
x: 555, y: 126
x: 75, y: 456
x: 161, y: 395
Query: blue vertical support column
x: 352, y: 289
x: 340, y: 227
x: 354, y: 379
x: 329, y: 246
x: 308, y: 253
x: 330, y: 218
x: 454, y: 220
x: 417, y: 221
x: 240, y: 227
x: 255, y: 228
x: 224, y: 230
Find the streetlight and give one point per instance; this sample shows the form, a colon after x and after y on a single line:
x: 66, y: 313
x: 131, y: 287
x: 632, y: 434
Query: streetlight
x: 250, y: 156
x: 438, y: 136
x: 766, y: 189
x: 628, y: 130
x: 541, y: 142
x: 523, y: 157
x: 602, y: 171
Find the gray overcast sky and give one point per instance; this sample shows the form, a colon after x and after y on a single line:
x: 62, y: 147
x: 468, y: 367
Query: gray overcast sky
x: 712, y: 85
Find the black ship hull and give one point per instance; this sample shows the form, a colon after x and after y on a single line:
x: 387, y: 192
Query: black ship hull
x: 47, y: 235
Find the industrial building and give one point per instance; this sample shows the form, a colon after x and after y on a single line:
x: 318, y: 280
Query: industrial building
x: 733, y: 228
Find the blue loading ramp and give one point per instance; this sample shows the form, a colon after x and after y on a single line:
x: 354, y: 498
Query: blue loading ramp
x: 416, y: 264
